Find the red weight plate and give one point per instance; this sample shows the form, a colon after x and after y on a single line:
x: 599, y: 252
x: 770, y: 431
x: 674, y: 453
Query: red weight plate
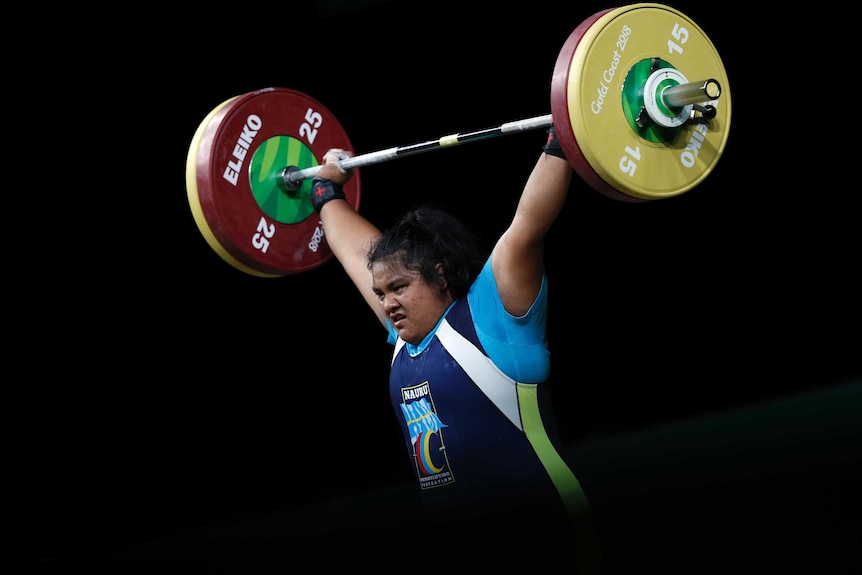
x: 560, y: 113
x: 232, y: 173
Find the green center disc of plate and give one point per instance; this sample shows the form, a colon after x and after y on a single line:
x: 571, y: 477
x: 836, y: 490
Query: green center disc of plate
x: 633, y: 101
x: 267, y: 164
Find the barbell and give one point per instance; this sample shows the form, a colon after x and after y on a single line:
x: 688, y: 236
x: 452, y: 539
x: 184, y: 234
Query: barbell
x: 631, y: 123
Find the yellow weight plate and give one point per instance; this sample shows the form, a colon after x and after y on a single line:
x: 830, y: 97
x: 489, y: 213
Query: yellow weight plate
x: 609, y: 150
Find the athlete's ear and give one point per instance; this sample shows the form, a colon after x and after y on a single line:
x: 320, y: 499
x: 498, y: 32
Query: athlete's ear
x: 442, y: 282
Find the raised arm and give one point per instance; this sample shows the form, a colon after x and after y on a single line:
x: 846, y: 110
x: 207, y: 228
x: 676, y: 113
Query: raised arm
x: 517, y: 258
x: 348, y: 233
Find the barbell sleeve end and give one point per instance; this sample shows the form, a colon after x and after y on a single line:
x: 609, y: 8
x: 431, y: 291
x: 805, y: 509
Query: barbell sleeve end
x: 290, y: 179
x: 287, y: 180
x: 691, y: 93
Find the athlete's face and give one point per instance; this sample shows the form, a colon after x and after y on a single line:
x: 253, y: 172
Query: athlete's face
x: 412, y: 305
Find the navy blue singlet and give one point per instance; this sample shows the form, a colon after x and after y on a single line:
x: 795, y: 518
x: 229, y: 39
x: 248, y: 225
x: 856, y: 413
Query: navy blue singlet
x: 477, y: 437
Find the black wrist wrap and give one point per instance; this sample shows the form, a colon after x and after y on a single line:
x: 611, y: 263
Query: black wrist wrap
x: 552, y: 146
x: 323, y: 190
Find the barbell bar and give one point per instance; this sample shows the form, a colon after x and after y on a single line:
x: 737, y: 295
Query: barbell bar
x: 666, y: 99
x: 292, y: 177
x: 630, y: 122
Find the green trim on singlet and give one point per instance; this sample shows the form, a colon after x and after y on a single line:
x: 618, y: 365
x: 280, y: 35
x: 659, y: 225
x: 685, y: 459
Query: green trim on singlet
x: 564, y: 479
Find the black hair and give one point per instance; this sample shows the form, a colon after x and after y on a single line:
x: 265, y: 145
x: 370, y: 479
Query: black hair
x: 426, y: 236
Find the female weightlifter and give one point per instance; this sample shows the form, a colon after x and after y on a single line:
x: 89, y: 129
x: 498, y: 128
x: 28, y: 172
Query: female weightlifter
x: 470, y: 356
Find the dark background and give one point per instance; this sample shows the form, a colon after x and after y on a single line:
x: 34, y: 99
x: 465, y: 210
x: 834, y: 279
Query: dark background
x: 706, y: 347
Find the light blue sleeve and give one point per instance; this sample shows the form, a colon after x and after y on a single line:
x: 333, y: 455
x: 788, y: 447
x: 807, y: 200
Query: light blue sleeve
x: 517, y: 345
